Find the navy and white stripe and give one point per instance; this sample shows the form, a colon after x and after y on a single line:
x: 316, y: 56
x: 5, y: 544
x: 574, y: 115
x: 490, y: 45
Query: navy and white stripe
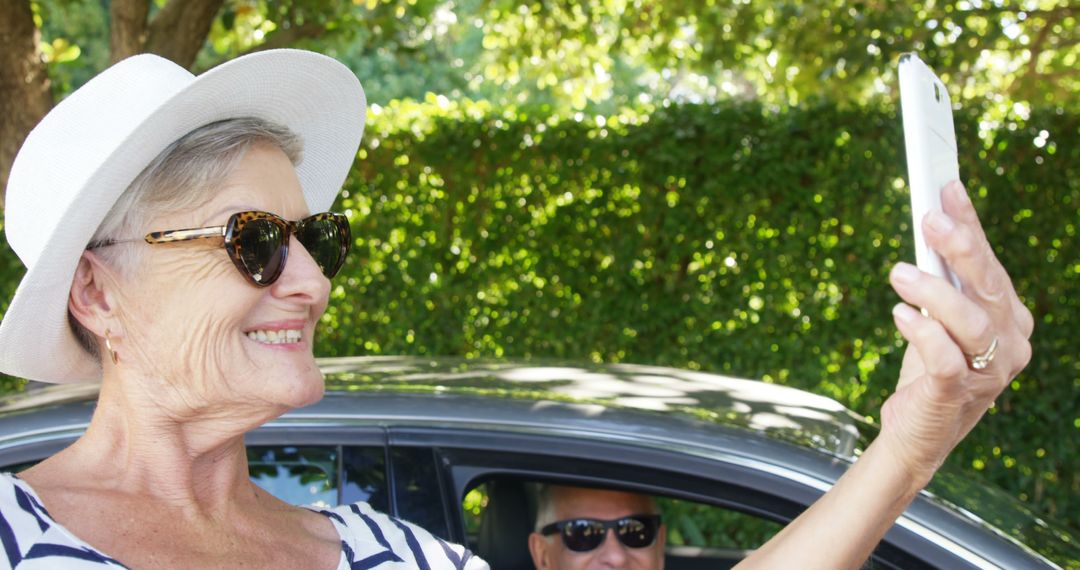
x: 32, y: 540
x: 371, y: 539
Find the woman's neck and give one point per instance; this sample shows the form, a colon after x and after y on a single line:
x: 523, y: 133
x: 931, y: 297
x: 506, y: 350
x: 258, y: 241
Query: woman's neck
x: 163, y: 448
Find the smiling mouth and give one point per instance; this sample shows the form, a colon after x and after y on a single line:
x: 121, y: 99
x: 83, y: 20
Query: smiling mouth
x: 286, y: 336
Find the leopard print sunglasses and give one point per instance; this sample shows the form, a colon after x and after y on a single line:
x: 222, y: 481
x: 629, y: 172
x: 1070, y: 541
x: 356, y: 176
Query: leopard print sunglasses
x: 258, y: 242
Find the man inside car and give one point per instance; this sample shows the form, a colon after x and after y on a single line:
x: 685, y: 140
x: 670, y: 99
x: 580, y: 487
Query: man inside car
x: 578, y: 527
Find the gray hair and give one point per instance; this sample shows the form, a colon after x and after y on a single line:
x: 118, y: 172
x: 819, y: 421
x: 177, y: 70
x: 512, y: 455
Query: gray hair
x: 185, y: 175
x: 545, y: 504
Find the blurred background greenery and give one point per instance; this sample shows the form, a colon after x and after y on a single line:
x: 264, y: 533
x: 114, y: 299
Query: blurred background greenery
x: 704, y: 184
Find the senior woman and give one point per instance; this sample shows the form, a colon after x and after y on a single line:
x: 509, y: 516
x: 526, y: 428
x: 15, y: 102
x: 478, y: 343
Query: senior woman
x: 178, y: 249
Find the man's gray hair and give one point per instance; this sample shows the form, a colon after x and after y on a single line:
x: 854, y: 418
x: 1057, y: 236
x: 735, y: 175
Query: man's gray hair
x: 185, y: 175
x: 545, y: 503
x: 545, y: 506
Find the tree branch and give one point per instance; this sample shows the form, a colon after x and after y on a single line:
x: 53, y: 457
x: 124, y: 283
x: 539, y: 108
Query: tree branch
x: 1058, y: 74
x: 1055, y: 12
x: 179, y: 30
x: 285, y: 37
x: 1035, y: 49
x: 127, y: 28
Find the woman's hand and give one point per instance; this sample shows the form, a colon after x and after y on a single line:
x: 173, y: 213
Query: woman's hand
x: 940, y: 395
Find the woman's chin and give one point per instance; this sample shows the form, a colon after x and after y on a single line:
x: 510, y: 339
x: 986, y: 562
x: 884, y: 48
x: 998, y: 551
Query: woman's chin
x: 288, y: 384
x: 312, y: 393
x: 302, y: 389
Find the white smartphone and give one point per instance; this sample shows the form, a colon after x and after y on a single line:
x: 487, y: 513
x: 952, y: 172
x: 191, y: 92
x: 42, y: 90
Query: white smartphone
x: 931, y: 151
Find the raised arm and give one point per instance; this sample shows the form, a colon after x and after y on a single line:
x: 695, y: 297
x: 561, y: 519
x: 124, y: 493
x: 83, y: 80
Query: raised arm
x: 956, y: 364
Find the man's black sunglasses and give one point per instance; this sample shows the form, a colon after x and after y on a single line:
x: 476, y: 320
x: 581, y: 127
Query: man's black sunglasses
x: 583, y: 535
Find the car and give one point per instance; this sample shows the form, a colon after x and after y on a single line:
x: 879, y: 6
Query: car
x: 459, y: 447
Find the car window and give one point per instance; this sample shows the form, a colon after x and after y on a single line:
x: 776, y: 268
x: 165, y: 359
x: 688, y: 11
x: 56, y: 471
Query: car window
x: 364, y: 472
x: 708, y: 526
x: 417, y: 492
x: 299, y: 475
x: 19, y: 467
x: 473, y: 505
x: 697, y: 529
x: 688, y: 523
x: 698, y: 534
x: 309, y: 475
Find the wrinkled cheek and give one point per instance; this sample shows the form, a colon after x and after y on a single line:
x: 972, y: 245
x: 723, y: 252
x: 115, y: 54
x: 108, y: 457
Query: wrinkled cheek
x: 191, y: 350
x: 185, y: 321
x: 207, y: 351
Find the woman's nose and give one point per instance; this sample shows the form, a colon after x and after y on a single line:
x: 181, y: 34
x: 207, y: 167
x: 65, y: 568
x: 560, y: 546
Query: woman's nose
x: 302, y: 275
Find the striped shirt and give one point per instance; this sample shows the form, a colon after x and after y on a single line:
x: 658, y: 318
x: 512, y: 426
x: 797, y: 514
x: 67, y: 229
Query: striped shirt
x: 32, y: 540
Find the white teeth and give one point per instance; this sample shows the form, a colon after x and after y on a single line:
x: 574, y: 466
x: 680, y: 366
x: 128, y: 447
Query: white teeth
x: 275, y: 336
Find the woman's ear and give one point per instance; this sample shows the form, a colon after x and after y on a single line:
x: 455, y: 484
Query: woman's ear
x: 90, y: 299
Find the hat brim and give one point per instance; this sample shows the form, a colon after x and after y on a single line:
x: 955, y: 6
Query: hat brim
x: 315, y: 96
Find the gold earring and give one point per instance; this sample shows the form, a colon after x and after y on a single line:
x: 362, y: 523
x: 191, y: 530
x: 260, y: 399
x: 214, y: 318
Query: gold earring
x: 112, y: 352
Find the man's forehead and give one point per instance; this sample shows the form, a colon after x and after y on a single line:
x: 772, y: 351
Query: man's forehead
x: 573, y: 502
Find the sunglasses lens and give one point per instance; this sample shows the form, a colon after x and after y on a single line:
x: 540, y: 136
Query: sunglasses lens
x: 326, y: 238
x: 259, y: 248
x: 636, y: 532
x: 583, y: 535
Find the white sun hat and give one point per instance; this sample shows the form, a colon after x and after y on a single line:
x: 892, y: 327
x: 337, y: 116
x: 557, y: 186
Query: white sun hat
x: 82, y: 156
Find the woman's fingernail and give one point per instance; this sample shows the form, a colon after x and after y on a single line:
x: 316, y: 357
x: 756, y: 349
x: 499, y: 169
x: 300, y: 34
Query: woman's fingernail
x: 904, y: 312
x: 959, y: 192
x: 941, y: 223
x: 905, y: 272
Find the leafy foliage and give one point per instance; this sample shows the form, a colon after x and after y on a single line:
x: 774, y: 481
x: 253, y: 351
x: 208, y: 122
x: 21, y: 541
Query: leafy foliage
x: 717, y: 237
x: 75, y: 42
x: 602, y: 55
x: 695, y: 524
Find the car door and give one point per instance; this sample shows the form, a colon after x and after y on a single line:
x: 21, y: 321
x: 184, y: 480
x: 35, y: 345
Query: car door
x: 705, y: 490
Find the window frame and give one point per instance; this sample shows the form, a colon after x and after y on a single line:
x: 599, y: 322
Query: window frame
x: 470, y: 455
x: 941, y: 536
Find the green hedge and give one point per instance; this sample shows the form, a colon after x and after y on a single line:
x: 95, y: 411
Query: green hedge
x: 725, y: 238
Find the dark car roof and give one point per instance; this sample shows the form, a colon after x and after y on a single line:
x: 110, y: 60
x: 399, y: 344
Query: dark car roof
x: 698, y: 412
